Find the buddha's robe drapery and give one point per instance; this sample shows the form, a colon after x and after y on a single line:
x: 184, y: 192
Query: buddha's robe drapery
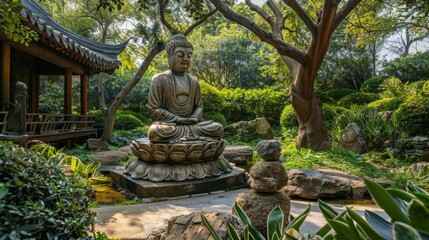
x: 165, y: 108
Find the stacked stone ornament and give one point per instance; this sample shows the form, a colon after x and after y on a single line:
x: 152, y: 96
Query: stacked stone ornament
x: 266, y: 179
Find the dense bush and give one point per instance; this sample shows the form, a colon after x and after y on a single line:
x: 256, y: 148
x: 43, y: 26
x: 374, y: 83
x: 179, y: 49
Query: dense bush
x: 425, y: 88
x: 141, y: 116
x: 215, y: 116
x: 371, y: 85
x: 409, y: 68
x: 358, y: 99
x: 127, y: 122
x: 332, y: 112
x: 288, y: 118
x: 339, y: 93
x: 122, y: 138
x: 212, y: 98
x: 377, y: 132
x: 412, y: 115
x: 385, y: 104
x: 37, y: 201
x: 247, y: 105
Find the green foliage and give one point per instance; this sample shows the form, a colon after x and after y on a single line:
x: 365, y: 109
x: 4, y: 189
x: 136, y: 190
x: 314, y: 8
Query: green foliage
x: 339, y: 93
x: 141, y: 116
x: 11, y: 23
x: 215, y: 116
x: 127, y: 122
x: 249, y: 104
x: 332, y: 112
x: 122, y: 138
x: 99, y: 118
x: 408, y: 210
x: 38, y: 201
x: 213, y: 100
x: 409, y: 68
x: 377, y: 132
x: 385, y: 104
x: 372, y: 85
x: 288, y: 117
x: 359, y: 99
x: 425, y: 88
x: 393, y: 87
x: 275, y: 225
x: 412, y: 115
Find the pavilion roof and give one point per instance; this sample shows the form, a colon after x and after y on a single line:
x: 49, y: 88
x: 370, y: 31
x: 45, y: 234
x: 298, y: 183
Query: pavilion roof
x: 97, y: 55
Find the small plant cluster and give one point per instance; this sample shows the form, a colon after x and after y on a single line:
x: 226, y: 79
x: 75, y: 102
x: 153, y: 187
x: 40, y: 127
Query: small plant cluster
x: 38, y: 201
x: 408, y: 210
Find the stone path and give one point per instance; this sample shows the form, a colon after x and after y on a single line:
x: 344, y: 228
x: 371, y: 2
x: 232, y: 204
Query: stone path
x: 137, y: 221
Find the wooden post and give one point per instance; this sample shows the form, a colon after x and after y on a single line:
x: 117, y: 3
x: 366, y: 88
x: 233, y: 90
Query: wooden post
x: 5, y: 58
x: 83, y: 94
x: 68, y: 91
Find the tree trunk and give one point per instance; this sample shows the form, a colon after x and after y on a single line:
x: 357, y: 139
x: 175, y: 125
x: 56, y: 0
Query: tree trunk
x: 312, y: 132
x: 110, y: 117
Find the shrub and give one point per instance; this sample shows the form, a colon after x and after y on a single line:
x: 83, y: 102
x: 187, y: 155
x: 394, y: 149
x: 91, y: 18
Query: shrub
x: 249, y: 104
x: 425, y: 88
x: 377, y: 132
x: 385, y: 104
x: 358, y: 99
x: 122, y: 138
x: 144, y: 118
x: 212, y: 98
x: 409, y: 68
x: 215, y: 116
x: 419, y: 86
x: 339, y: 93
x: 127, y: 122
x: 412, y: 115
x: 99, y: 118
x: 332, y: 112
x: 288, y: 117
x: 38, y: 201
x: 371, y: 85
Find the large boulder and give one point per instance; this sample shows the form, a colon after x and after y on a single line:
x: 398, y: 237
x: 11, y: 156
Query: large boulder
x: 324, y: 183
x: 258, y: 206
x: 97, y: 144
x: 109, y: 157
x: 191, y: 226
x: 352, y: 139
x: 239, y: 155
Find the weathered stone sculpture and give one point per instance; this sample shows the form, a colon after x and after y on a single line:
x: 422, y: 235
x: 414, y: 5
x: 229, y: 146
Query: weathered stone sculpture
x: 266, y: 179
x: 181, y: 145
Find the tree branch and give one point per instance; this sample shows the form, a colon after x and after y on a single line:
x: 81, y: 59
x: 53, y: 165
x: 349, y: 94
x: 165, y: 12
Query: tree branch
x: 280, y: 19
x: 282, y: 47
x: 164, y: 22
x: 199, y: 22
x: 342, y: 14
x: 311, y: 25
x: 264, y: 15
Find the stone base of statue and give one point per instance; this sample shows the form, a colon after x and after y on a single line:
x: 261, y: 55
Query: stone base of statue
x: 181, y: 161
x: 176, y: 169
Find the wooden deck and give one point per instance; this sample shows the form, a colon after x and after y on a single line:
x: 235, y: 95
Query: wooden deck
x: 51, y: 128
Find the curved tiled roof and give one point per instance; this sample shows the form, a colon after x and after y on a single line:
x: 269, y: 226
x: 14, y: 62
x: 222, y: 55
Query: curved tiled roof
x: 101, y: 56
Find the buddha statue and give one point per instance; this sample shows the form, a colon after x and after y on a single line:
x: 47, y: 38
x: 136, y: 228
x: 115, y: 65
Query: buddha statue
x: 180, y: 144
x: 175, y: 103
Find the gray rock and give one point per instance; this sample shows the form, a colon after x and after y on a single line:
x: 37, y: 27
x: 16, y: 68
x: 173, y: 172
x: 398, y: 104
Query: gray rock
x: 192, y: 227
x: 109, y: 157
x: 257, y: 207
x: 239, y: 155
x: 269, y: 150
x: 267, y: 177
x: 127, y: 149
x: 263, y: 128
x: 324, y: 183
x: 419, y: 166
x: 352, y: 139
x: 96, y: 144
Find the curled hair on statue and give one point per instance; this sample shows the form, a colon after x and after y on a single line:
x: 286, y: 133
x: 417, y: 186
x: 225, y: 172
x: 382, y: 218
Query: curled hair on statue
x: 178, y: 40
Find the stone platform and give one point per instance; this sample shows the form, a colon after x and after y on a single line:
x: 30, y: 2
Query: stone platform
x: 168, y: 189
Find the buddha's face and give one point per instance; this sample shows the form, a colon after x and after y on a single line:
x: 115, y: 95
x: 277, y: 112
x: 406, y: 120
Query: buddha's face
x: 180, y: 60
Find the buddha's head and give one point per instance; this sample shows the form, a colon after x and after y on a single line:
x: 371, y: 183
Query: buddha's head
x: 179, y: 52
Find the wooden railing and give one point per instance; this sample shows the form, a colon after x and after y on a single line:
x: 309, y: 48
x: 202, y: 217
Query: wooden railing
x: 57, y: 127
